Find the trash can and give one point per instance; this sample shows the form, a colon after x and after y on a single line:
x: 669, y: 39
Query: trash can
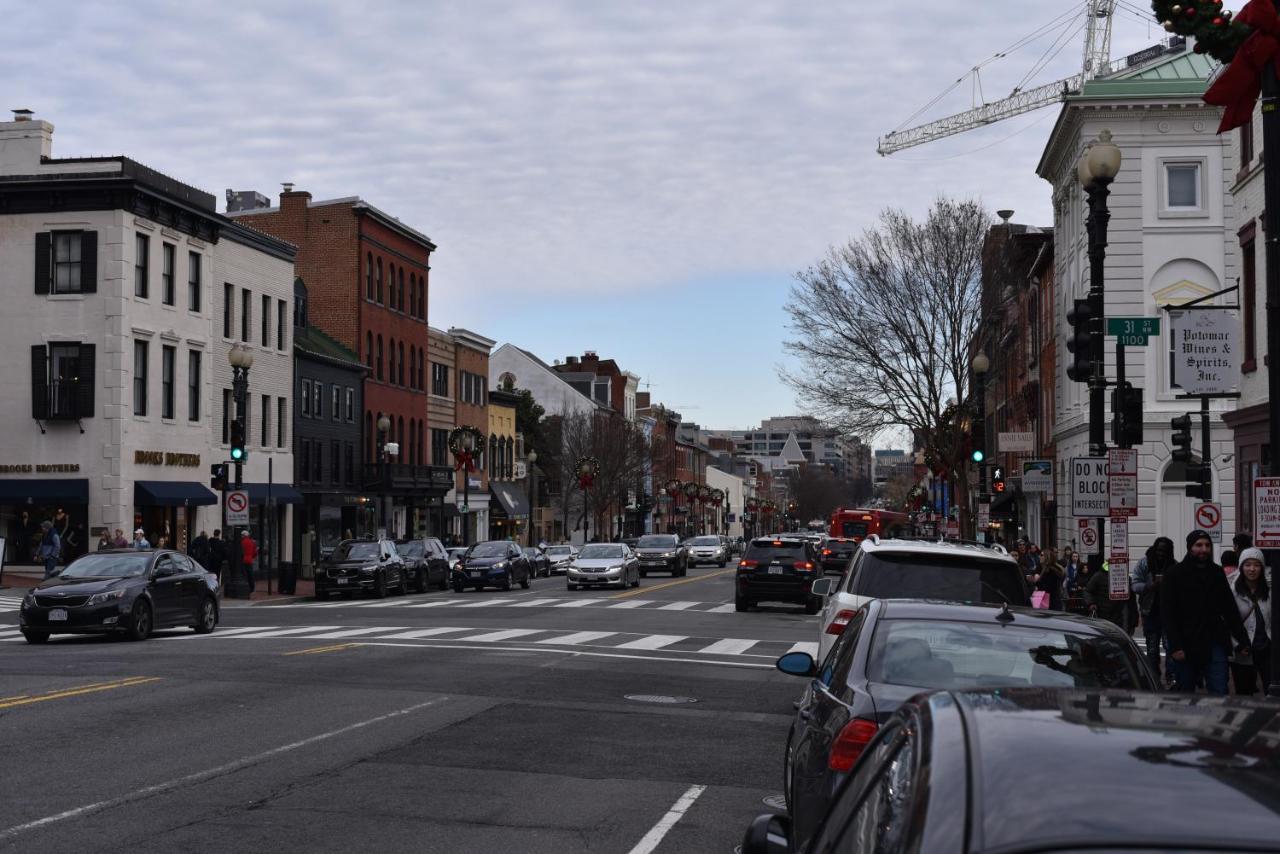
x: 288, y: 577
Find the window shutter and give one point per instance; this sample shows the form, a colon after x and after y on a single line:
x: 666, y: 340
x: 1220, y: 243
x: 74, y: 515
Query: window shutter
x: 43, y: 253
x: 89, y: 262
x: 84, y: 392
x: 39, y: 381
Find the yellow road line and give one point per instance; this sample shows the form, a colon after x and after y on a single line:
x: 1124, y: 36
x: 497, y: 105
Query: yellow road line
x: 11, y: 702
x: 315, y: 649
x: 642, y: 590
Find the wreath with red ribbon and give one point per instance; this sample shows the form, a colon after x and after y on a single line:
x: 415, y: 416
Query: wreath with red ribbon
x: 717, y: 497
x: 690, y: 490
x: 588, y: 470
x: 752, y: 506
x: 673, y: 487
x: 463, y: 458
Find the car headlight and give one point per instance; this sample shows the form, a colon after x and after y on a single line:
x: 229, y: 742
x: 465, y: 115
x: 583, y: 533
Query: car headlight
x: 29, y: 601
x: 668, y: 554
x: 103, y: 598
x: 502, y: 564
x: 373, y: 568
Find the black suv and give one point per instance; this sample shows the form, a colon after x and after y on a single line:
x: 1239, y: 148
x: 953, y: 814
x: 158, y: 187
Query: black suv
x: 361, y: 565
x: 662, y: 553
x: 495, y: 563
x: 425, y: 562
x: 777, y: 569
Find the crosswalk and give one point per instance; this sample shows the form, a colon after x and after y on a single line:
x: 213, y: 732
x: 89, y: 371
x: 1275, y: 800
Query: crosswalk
x: 10, y: 603
x: 482, y: 636
x: 487, y: 602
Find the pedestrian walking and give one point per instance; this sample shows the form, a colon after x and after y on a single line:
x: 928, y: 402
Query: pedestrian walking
x: 1097, y: 596
x: 105, y: 541
x: 1070, y: 569
x: 1241, y: 541
x: 1145, y: 579
x: 1200, y: 618
x: 140, y: 539
x: 50, y: 547
x: 248, y: 551
x: 199, y: 550
x: 217, y: 553
x: 1230, y: 563
x: 119, y: 541
x: 1051, y: 578
x: 1252, y: 590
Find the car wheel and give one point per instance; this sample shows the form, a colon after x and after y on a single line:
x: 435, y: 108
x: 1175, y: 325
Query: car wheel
x: 571, y: 586
x: 420, y: 581
x: 458, y: 588
x: 206, y: 617
x: 787, y: 773
x: 506, y: 583
x: 812, y: 605
x: 444, y: 581
x: 139, y: 622
x: 380, y: 585
x: 741, y: 603
x: 35, y: 637
x: 524, y: 583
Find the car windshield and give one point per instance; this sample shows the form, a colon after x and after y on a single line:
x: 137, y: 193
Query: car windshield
x: 657, y: 541
x: 941, y: 654
x: 962, y: 578
x: 560, y: 550
x: 705, y: 541
x: 488, y: 550
x: 413, y: 548
x: 596, y: 552
x: 108, y: 566
x: 356, y: 551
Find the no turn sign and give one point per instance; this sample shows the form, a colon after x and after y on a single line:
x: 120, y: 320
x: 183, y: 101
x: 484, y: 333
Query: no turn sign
x: 1089, y: 544
x: 237, y: 504
x: 1208, y: 518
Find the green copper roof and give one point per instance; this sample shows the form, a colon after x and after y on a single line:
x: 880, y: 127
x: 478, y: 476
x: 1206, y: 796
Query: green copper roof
x: 1184, y: 73
x: 315, y: 341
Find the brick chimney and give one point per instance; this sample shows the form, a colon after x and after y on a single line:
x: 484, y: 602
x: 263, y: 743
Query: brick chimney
x: 24, y: 142
x: 293, y: 202
x: 590, y: 360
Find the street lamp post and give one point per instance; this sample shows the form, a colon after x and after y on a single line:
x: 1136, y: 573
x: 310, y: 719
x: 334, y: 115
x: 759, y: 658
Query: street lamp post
x: 1096, y: 170
x: 384, y: 425
x: 981, y: 364
x: 464, y: 443
x: 531, y: 458
x: 240, y: 357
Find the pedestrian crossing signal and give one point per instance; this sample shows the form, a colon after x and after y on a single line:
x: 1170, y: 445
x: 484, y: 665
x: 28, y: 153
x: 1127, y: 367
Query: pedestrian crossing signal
x: 237, y: 440
x: 218, y: 477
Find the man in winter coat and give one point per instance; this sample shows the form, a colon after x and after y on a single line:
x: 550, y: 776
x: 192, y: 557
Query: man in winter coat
x: 1144, y: 580
x: 217, y: 552
x: 248, y: 552
x: 199, y: 550
x: 1097, y: 595
x: 50, y: 548
x: 1200, y: 618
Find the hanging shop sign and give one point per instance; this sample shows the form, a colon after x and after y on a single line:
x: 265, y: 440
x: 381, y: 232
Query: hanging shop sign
x: 1205, y: 360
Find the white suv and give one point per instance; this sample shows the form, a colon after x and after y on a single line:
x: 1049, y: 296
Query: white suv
x: 916, y: 569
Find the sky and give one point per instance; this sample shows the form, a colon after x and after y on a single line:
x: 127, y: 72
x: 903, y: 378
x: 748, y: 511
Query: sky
x: 639, y: 179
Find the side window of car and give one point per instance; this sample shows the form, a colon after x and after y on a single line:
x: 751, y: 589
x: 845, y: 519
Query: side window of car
x: 852, y: 573
x: 184, y: 563
x: 164, y: 564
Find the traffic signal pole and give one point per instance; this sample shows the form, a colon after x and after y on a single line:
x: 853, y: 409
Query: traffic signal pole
x: 1271, y: 226
x: 1096, y: 225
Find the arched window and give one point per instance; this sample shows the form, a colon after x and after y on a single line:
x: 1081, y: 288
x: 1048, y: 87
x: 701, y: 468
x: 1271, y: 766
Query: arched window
x: 368, y: 276
x: 391, y: 360
x: 406, y: 453
x: 422, y: 299
x: 368, y: 349
x: 378, y: 367
x: 400, y: 365
x: 413, y: 367
x: 370, y: 439
x: 400, y: 291
x: 507, y: 381
x: 399, y: 424
x: 511, y: 458
x: 413, y: 295
x: 421, y: 444
x: 379, y: 292
x: 391, y: 285
x: 493, y: 453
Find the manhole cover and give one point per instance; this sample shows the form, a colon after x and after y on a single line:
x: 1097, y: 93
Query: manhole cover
x: 777, y: 802
x: 661, y: 699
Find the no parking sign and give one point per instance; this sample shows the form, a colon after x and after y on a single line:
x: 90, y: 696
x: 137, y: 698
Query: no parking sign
x: 1089, y: 544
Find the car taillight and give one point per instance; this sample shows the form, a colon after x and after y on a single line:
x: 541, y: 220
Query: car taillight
x: 826, y: 552
x: 838, y: 624
x: 748, y: 564
x: 803, y: 566
x: 850, y: 743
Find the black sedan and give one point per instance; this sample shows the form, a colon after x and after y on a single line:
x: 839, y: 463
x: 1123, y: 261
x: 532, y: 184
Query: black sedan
x: 496, y: 563
x: 1030, y: 769
x: 372, y: 566
x: 892, y: 649
x: 538, y: 561
x: 426, y: 563
x: 126, y: 591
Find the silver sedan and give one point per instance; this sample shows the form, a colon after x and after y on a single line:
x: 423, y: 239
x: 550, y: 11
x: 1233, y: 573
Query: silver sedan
x: 603, y: 564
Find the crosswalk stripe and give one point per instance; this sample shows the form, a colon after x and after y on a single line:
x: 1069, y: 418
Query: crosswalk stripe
x: 222, y: 633
x: 389, y: 604
x: 424, y: 633
x: 272, y: 632
x: 351, y: 633
x: 810, y: 647
x: 651, y: 642
x: 435, y: 603
x: 508, y: 634
x: 730, y: 646
x: 576, y: 638
x: 576, y: 603
x: 486, y: 602
x: 533, y: 603
x: 676, y: 606
x: 633, y: 603
x: 722, y: 609
x: 11, y: 631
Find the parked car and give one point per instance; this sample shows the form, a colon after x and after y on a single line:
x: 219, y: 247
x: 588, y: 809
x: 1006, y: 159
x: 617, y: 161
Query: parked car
x: 495, y: 563
x: 121, y: 590
x: 708, y: 549
x: 560, y: 556
x: 662, y: 553
x: 425, y: 562
x: 602, y: 564
x: 835, y: 554
x: 777, y: 569
x: 970, y: 772
x: 455, y: 554
x: 362, y: 566
x: 917, y: 569
x: 892, y: 649
x: 538, y: 561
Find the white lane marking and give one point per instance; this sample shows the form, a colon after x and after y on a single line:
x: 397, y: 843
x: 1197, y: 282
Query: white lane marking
x: 576, y: 638
x: 654, y: 837
x: 576, y: 603
x: 11, y: 631
x: 433, y: 604
x: 508, y: 634
x: 633, y: 603
x: 722, y: 609
x: 209, y: 773
x: 354, y: 633
x: 574, y: 650
x: 341, y: 604
x: 651, y: 642
x: 677, y: 606
x: 222, y: 633
x: 730, y: 646
x: 484, y: 603
x: 533, y: 603
x: 393, y: 603
x: 426, y: 633
x: 804, y: 646
x: 270, y: 632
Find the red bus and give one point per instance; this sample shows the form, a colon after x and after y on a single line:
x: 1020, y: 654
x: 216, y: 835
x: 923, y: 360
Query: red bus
x: 856, y: 525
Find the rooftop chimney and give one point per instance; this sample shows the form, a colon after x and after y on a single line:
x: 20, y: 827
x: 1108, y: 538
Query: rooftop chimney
x: 25, y: 143
x: 571, y: 360
x: 22, y: 115
x: 1005, y: 215
x: 288, y: 186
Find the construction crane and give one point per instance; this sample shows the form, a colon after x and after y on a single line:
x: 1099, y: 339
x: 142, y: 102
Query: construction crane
x: 1096, y: 61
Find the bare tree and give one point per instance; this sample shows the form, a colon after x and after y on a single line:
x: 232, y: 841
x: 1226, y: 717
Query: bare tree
x: 618, y: 445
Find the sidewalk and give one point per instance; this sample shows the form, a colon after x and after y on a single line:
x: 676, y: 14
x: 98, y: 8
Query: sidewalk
x: 19, y: 579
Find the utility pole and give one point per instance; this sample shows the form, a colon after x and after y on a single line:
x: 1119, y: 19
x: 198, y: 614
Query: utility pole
x: 1271, y: 225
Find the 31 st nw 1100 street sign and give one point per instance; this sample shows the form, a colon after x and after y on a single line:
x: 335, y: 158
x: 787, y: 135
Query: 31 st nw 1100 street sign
x: 1090, y: 495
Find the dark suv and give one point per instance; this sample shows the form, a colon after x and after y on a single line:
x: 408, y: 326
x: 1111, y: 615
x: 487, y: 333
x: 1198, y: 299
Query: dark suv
x: 496, y: 563
x: 662, y: 553
x: 361, y: 565
x: 777, y: 569
x: 425, y: 562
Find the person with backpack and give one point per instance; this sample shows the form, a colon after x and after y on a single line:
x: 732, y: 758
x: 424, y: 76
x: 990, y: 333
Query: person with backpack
x: 1145, y: 579
x: 1200, y: 618
x: 199, y: 550
x: 1251, y: 587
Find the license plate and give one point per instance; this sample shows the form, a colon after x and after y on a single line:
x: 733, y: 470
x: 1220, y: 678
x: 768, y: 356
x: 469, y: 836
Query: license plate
x: 475, y: 573
x: 343, y: 580
x: 58, y: 614
x: 652, y: 562
x: 775, y: 570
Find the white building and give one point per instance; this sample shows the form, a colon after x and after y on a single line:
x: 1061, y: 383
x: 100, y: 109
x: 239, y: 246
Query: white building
x: 526, y: 371
x: 734, y: 501
x: 1171, y: 240
x: 110, y: 271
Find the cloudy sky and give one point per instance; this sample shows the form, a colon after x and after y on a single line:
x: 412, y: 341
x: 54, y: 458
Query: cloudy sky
x: 639, y: 179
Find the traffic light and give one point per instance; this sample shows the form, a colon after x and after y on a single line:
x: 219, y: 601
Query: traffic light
x: 237, y: 440
x: 978, y: 456
x: 978, y: 439
x: 997, y: 480
x: 1081, y: 367
x: 1201, y: 483
x: 218, y: 477
x: 1126, y: 416
x: 1181, y: 439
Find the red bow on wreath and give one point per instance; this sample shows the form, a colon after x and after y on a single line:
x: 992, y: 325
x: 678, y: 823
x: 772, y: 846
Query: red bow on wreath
x: 464, y: 461
x: 1240, y: 83
x: 586, y: 481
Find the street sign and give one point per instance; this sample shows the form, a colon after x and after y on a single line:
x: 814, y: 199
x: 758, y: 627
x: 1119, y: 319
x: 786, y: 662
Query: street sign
x: 1120, y: 537
x: 1089, y: 486
x: 1205, y: 360
x: 1143, y: 326
x: 984, y: 515
x: 1208, y: 518
x: 1016, y: 443
x: 1118, y: 570
x: 953, y: 528
x: 1037, y: 476
x: 1266, y: 512
x: 237, y: 502
x: 1122, y: 482
x: 1088, y: 532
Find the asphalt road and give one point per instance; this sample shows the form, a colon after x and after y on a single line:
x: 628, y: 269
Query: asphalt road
x: 531, y: 721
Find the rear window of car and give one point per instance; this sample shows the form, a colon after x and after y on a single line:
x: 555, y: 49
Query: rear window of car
x: 559, y: 550
x: 906, y: 575
x: 962, y: 656
x: 853, y: 529
x: 780, y: 550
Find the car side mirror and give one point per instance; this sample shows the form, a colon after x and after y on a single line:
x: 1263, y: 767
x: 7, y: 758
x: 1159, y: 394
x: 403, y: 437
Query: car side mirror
x: 821, y: 587
x: 797, y: 664
x: 767, y: 834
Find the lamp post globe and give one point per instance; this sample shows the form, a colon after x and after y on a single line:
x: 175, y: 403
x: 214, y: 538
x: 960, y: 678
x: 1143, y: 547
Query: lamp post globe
x: 981, y: 364
x: 532, y: 456
x: 384, y: 424
x: 1103, y: 158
